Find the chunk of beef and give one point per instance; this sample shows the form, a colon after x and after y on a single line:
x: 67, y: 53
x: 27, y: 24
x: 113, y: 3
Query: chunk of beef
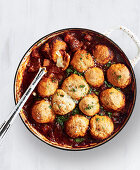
x: 34, y: 64
x: 74, y: 43
x: 35, y: 53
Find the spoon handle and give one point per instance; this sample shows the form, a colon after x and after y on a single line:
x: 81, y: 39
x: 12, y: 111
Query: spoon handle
x: 8, y: 122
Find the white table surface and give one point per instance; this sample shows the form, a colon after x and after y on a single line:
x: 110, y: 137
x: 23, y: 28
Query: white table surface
x: 22, y: 22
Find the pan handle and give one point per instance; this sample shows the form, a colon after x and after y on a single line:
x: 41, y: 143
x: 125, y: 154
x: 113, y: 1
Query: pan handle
x: 132, y: 36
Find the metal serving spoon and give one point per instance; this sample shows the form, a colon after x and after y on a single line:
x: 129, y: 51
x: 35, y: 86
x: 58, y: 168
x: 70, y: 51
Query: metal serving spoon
x: 9, y: 121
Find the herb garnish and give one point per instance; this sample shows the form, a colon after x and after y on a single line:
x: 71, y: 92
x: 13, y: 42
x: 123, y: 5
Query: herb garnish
x: 101, y: 114
x: 101, y: 107
x: 109, y: 114
x: 73, y: 90
x: 78, y: 140
x: 107, y: 84
x: 97, y: 119
x: 117, y: 88
x: 75, y: 111
x: 72, y: 70
x: 119, y: 77
x: 96, y: 92
x: 69, y: 70
x: 89, y: 107
x: 76, y: 72
x: 53, y: 79
x: 82, y: 55
x: 103, y: 127
x: 82, y: 86
x: 50, y: 106
x: 108, y: 64
x: 59, y: 106
x: 61, y: 120
x: 90, y: 91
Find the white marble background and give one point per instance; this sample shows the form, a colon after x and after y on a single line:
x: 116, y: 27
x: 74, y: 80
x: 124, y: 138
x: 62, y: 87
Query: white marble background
x: 22, y: 22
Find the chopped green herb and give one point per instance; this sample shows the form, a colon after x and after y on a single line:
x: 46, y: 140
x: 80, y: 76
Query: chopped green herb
x: 75, y: 111
x: 97, y: 119
x: 76, y: 72
x: 53, y: 79
x: 90, y: 91
x: 45, y: 98
x: 61, y: 95
x: 73, y: 90
x: 119, y: 77
x: 82, y: 55
x: 82, y: 86
x: 80, y: 58
x: 89, y: 107
x: 103, y: 127
x: 69, y: 70
x: 87, y: 55
x: 78, y: 140
x: 88, y: 117
x: 117, y: 88
x: 61, y: 120
x: 108, y: 85
x: 96, y: 92
x: 59, y: 106
x: 101, y: 114
x: 50, y: 106
x: 108, y: 64
x: 101, y: 107
x: 109, y: 114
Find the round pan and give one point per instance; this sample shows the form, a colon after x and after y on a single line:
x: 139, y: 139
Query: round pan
x: 18, y: 81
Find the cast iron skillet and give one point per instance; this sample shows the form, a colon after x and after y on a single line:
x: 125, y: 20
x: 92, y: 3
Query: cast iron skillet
x: 24, y: 61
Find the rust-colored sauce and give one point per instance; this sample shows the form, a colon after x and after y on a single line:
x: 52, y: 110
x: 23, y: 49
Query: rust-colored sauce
x: 55, y: 131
